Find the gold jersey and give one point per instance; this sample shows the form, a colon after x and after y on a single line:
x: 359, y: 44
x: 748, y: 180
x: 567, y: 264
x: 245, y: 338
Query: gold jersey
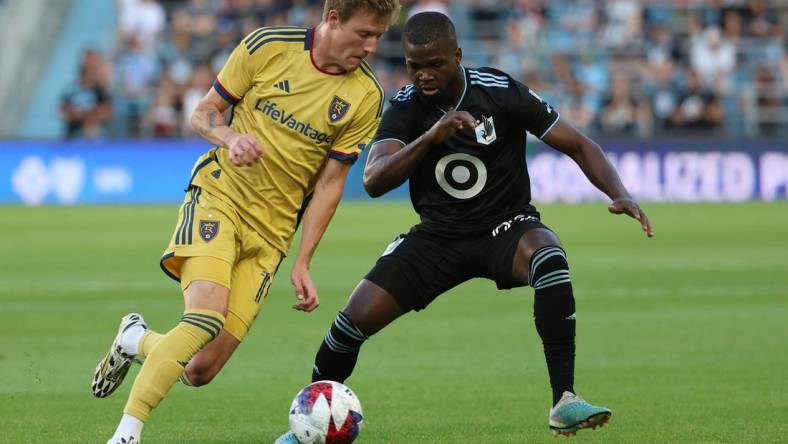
x: 301, y: 116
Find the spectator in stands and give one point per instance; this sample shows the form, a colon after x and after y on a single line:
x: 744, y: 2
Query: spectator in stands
x: 529, y: 16
x: 592, y: 72
x: 714, y: 59
x: 201, y: 80
x: 162, y: 119
x: 761, y: 19
x: 578, y: 106
x: 624, y: 28
x: 660, y: 85
x: 711, y: 13
x: 202, y: 42
x: 85, y: 105
x: 512, y: 51
x: 733, y: 28
x: 572, y: 24
x: 137, y: 71
x: 143, y: 20
x: 661, y: 45
x: 486, y: 16
x: 625, y: 113
x: 698, y: 108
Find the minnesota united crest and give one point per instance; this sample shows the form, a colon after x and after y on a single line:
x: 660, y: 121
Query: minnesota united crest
x: 485, y: 131
x: 209, y: 229
x: 337, y: 109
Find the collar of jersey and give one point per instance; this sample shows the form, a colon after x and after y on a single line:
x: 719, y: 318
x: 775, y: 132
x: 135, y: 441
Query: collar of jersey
x: 310, y: 41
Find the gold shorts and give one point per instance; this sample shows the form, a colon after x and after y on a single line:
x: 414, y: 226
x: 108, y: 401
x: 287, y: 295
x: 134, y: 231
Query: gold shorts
x: 226, y: 251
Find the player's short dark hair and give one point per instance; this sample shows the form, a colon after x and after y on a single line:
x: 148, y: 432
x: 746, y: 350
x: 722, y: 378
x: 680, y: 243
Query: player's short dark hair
x: 428, y: 27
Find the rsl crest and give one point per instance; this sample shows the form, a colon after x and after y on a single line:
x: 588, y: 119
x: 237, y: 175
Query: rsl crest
x: 337, y: 109
x: 209, y: 229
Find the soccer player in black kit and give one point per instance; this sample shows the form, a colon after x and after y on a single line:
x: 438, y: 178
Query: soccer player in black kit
x: 458, y: 135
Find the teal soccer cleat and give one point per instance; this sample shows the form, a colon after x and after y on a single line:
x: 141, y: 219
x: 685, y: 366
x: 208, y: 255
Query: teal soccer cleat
x: 572, y: 413
x: 287, y: 438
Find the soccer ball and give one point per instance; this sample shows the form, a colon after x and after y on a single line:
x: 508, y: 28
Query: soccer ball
x: 325, y: 412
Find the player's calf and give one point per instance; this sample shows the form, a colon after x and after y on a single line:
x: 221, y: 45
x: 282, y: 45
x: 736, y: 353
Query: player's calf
x: 338, y: 353
x: 554, y: 315
x: 210, y: 360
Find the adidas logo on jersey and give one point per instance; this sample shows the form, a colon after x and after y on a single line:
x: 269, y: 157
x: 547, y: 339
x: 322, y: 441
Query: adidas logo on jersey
x: 284, y: 85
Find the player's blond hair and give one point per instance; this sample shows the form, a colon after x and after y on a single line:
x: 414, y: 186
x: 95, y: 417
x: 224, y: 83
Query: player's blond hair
x: 387, y: 9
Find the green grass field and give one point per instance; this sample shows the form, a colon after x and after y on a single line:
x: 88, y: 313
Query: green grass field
x: 684, y: 336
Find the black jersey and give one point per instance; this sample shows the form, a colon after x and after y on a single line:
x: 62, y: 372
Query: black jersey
x: 478, y: 177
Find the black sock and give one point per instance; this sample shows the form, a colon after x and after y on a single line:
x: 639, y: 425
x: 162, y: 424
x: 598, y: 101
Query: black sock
x: 554, y: 315
x: 338, y: 353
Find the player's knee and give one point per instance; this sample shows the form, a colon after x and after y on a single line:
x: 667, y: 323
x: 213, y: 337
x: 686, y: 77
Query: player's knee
x: 371, y: 308
x: 207, y: 295
x: 548, y: 268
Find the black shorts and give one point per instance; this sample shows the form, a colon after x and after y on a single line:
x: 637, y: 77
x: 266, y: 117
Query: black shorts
x: 417, y: 268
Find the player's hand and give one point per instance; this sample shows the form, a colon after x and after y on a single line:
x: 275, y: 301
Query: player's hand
x: 633, y: 210
x: 450, y: 123
x: 305, y: 289
x: 245, y: 149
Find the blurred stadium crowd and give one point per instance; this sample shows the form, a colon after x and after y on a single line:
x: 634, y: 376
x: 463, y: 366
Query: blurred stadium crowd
x: 624, y: 68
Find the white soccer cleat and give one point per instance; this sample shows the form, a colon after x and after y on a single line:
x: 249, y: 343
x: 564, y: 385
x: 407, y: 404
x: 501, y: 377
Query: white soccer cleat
x: 111, y: 370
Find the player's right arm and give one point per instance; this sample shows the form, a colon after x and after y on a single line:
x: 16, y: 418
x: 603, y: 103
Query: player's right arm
x: 391, y: 162
x: 208, y: 121
x: 236, y: 77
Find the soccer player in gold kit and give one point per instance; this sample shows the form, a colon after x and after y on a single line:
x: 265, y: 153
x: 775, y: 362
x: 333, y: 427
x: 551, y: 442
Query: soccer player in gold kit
x: 304, y: 104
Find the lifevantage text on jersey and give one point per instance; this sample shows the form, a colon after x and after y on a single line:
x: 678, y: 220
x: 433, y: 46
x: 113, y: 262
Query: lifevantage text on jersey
x: 281, y: 116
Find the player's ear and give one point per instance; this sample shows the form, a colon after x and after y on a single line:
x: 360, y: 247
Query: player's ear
x: 458, y: 55
x: 333, y: 18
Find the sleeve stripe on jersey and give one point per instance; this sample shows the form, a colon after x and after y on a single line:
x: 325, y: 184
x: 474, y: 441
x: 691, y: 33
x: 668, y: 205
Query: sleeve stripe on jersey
x: 489, y: 85
x: 404, y: 94
x: 557, y: 117
x: 488, y: 76
x: 226, y: 95
x: 368, y: 71
x: 352, y: 157
x: 275, y: 36
x: 478, y: 80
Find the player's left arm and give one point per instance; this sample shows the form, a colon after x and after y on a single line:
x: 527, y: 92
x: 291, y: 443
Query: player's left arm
x: 595, y: 165
x: 325, y: 199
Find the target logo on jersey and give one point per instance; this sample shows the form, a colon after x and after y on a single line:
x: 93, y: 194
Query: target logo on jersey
x: 326, y: 412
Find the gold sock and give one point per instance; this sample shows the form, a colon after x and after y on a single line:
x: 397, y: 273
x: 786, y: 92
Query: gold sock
x: 149, y: 340
x: 166, y: 361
